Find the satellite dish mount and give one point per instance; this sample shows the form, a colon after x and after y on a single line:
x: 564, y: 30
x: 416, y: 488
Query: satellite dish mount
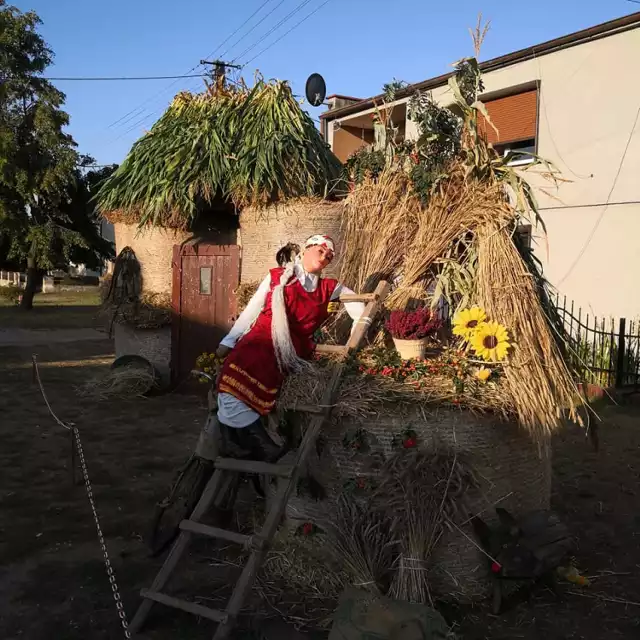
x: 315, y: 90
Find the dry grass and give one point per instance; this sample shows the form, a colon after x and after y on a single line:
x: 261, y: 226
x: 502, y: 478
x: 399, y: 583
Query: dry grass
x: 456, y: 208
x: 362, y: 542
x: 386, y: 543
x: 536, y: 376
x: 121, y: 383
x: 299, y: 581
x: 380, y: 217
x: 420, y: 491
x: 362, y: 396
x: 244, y: 293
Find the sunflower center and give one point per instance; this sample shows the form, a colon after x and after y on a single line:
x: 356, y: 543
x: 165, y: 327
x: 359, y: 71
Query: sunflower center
x: 472, y: 324
x: 490, y: 342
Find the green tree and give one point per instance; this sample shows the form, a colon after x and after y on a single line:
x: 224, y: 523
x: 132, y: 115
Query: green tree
x: 41, y: 182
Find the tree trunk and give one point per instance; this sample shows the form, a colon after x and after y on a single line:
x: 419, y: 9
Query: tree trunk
x: 30, y: 287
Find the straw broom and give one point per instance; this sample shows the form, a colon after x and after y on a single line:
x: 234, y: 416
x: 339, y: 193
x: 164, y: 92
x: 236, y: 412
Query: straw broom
x: 536, y: 376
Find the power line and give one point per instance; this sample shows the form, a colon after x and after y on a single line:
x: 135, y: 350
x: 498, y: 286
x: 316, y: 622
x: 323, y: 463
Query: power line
x: 255, y: 26
x: 116, y: 78
x: 299, y: 7
x: 155, y: 95
x: 287, y: 32
x: 266, y: 2
x: 606, y: 206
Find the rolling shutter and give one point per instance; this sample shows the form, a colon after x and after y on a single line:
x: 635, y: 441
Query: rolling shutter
x: 515, y: 117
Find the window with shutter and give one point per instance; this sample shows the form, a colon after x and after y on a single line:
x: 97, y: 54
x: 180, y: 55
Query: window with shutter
x: 516, y: 119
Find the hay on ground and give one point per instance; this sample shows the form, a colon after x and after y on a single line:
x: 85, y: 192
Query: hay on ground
x: 122, y: 383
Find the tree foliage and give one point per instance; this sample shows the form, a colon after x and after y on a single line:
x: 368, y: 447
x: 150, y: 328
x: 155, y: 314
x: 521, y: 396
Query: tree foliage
x: 45, y: 218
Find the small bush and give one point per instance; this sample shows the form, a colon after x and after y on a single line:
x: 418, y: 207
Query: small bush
x: 11, y: 293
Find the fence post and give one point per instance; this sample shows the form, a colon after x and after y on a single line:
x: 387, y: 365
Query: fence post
x: 621, y: 349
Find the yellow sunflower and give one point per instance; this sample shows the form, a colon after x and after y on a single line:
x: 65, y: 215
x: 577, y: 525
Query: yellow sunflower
x: 483, y: 374
x: 466, y: 321
x: 491, y: 341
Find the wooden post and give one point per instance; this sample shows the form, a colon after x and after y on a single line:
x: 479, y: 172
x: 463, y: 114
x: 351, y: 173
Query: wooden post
x: 621, y: 353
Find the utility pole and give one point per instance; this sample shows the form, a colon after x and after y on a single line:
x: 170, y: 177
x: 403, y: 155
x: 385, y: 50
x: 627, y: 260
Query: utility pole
x: 218, y: 75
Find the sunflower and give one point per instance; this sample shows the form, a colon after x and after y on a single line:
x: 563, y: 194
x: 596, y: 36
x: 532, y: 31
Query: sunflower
x: 466, y: 321
x: 483, y: 374
x: 491, y: 341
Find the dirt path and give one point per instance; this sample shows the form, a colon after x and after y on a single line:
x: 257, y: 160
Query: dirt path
x: 52, y: 581
x: 33, y: 337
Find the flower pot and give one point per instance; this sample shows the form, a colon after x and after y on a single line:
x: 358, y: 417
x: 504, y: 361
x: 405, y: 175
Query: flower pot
x: 412, y: 349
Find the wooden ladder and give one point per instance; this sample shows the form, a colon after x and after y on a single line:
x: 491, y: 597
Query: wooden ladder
x: 259, y: 542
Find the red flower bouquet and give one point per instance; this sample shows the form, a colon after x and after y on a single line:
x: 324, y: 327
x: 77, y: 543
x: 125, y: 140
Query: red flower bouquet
x: 413, y: 325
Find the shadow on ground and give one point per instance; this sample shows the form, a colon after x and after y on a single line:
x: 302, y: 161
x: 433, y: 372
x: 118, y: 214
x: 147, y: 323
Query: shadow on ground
x: 52, y: 581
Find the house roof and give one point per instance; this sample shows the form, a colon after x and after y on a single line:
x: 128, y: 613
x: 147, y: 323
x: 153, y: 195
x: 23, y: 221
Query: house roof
x: 339, y: 95
x: 603, y: 30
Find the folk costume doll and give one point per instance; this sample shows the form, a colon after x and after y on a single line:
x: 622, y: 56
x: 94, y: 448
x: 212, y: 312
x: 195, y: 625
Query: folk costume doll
x: 274, y: 337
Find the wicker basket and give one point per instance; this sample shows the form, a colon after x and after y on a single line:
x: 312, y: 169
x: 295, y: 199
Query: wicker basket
x: 515, y: 474
x: 411, y: 349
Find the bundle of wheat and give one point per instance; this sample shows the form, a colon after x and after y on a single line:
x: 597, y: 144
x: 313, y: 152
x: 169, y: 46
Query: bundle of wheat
x: 385, y: 544
x: 536, y: 375
x: 381, y: 218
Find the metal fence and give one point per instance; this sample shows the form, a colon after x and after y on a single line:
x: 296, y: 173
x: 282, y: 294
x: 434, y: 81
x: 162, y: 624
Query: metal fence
x: 606, y: 351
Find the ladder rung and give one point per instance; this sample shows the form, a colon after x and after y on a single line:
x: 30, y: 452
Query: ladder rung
x: 254, y: 466
x: 331, y: 348
x: 214, y: 532
x: 358, y: 297
x: 185, y: 605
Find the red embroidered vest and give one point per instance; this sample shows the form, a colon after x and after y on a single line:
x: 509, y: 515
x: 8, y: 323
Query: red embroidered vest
x: 250, y: 372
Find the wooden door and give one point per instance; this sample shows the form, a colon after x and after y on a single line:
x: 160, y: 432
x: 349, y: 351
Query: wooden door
x: 204, y: 303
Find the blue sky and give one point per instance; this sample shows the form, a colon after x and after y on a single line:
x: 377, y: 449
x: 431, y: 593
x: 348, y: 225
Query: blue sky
x: 357, y: 45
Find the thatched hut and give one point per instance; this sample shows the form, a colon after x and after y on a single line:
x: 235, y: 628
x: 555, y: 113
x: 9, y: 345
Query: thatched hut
x: 243, y: 168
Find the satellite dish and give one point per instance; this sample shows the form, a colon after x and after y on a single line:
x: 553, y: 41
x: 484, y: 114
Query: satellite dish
x: 315, y: 89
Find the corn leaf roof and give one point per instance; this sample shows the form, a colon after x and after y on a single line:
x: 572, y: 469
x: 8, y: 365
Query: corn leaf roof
x: 250, y: 147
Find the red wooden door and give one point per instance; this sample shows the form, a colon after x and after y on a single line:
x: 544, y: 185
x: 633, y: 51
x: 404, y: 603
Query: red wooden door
x: 204, y: 304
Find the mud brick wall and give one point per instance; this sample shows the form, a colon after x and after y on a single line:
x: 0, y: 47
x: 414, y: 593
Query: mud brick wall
x: 154, y: 250
x: 263, y: 232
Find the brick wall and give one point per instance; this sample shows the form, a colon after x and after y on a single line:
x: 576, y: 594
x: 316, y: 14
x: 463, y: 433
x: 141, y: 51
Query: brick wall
x: 154, y: 250
x: 263, y: 232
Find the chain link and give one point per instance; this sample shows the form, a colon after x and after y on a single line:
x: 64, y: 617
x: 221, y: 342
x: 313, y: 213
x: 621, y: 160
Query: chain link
x: 107, y: 562
x: 85, y: 474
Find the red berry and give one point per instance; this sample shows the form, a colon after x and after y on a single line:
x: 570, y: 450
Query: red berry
x: 409, y: 443
x: 496, y: 567
x: 307, y: 528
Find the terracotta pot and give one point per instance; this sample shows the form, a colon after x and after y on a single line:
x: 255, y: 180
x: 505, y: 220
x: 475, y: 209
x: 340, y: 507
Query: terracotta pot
x: 410, y: 349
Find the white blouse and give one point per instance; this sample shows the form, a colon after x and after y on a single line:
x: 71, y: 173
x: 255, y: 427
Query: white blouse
x: 234, y: 412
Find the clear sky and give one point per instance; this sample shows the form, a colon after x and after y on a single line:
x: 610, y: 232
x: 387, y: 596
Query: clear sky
x: 357, y: 45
